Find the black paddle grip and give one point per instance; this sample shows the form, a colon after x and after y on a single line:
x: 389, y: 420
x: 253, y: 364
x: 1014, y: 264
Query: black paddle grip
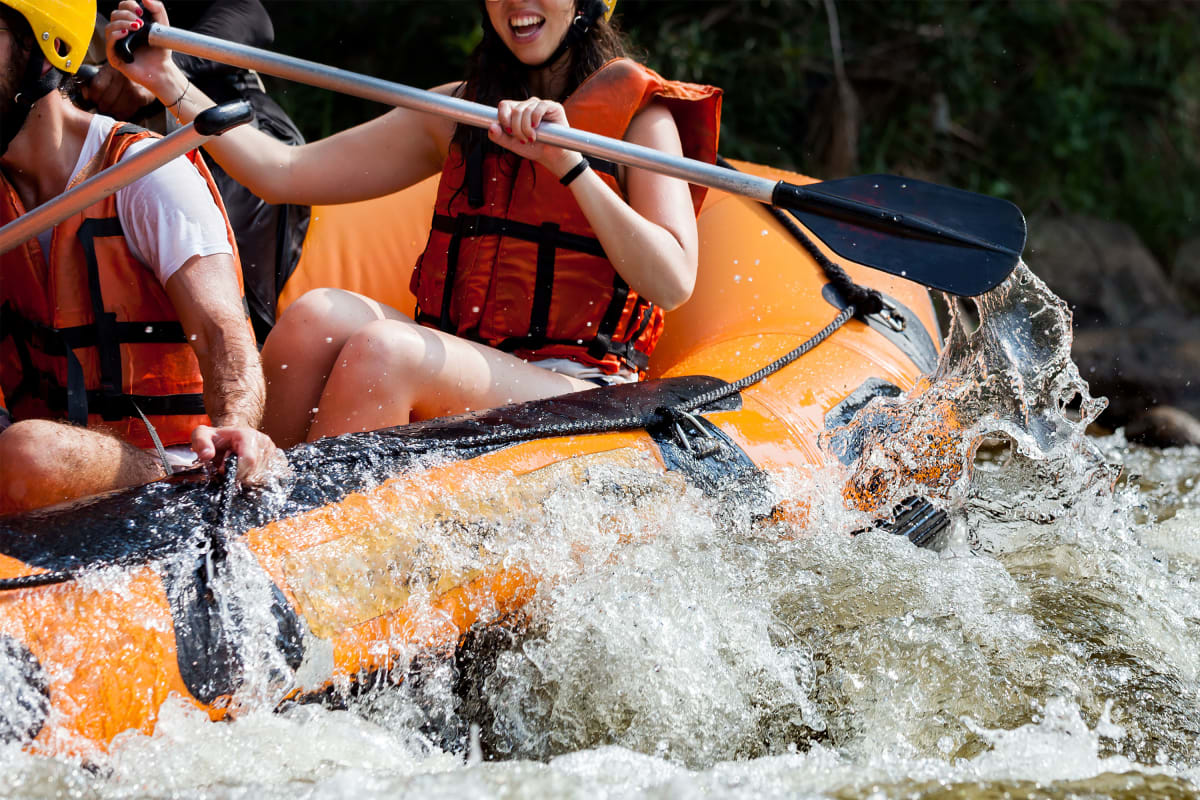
x: 218, y: 119
x: 139, y: 38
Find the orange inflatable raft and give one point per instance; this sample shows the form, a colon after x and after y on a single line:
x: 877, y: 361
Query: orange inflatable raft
x: 382, y: 546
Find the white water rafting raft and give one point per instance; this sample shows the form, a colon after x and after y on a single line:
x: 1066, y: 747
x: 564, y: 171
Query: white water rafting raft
x: 384, y: 546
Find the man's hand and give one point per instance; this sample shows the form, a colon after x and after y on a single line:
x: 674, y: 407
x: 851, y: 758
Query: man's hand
x: 115, y: 95
x: 254, y: 449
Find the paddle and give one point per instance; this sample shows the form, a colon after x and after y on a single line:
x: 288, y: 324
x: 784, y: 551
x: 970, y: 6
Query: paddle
x: 949, y: 239
x: 209, y: 123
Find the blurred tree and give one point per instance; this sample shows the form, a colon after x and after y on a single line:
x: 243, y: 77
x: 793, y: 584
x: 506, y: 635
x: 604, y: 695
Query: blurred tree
x: 1080, y: 105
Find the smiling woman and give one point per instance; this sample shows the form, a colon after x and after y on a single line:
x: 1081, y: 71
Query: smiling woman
x: 543, y: 274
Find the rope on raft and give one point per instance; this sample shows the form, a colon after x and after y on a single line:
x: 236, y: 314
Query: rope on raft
x: 660, y: 416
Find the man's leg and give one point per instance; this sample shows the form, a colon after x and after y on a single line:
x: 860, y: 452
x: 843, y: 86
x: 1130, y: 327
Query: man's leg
x: 44, y: 462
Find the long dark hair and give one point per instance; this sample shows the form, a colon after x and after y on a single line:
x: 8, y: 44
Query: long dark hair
x: 495, y: 74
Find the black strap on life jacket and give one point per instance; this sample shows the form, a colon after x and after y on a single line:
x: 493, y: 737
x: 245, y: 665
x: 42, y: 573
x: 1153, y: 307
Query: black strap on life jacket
x: 549, y: 238
x: 105, y: 334
x: 28, y: 335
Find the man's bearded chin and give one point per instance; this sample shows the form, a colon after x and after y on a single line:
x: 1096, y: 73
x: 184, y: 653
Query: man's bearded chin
x: 8, y: 90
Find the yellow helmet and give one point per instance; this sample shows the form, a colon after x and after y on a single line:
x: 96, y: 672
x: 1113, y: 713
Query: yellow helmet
x: 62, y: 28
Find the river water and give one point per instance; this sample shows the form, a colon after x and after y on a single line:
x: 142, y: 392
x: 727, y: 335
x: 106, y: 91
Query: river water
x: 1049, y: 647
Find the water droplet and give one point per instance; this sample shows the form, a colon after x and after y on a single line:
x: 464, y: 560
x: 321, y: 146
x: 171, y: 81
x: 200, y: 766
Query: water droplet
x: 328, y: 340
x: 283, y: 366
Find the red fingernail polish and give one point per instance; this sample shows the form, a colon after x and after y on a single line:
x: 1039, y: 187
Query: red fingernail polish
x: 138, y: 10
x: 135, y: 25
x: 508, y: 131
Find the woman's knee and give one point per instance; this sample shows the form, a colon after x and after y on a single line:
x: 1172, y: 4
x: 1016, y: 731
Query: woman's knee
x: 386, y: 348
x: 322, y: 312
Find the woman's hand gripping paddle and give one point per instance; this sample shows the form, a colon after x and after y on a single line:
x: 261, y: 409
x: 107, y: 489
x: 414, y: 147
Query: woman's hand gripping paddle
x: 947, y: 239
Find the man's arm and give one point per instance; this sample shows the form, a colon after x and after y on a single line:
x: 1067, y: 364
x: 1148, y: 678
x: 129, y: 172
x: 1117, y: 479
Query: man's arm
x: 206, y: 297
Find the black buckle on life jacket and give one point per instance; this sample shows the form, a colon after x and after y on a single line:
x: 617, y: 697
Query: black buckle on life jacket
x: 603, y: 345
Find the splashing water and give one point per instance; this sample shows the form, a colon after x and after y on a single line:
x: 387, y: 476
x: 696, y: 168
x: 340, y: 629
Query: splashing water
x: 1051, y: 648
x: 1011, y: 378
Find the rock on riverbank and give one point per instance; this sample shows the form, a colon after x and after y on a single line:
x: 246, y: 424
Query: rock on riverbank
x: 1137, y: 326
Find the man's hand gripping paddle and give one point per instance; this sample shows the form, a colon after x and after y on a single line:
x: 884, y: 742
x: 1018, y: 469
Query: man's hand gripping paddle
x: 947, y: 239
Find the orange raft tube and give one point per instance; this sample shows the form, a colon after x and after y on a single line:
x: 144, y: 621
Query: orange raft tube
x: 385, y: 545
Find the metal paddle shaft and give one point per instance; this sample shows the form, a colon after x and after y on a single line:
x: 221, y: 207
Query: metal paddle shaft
x: 920, y: 234
x: 211, y: 122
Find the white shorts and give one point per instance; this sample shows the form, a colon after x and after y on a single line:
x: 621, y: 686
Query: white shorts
x: 565, y: 366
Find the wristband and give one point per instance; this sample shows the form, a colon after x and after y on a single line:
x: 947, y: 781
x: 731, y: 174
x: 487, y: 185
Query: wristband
x: 574, y: 172
x: 182, y: 94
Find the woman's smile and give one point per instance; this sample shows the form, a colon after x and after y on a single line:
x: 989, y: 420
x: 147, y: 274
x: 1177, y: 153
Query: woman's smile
x: 526, y: 26
x: 531, y: 29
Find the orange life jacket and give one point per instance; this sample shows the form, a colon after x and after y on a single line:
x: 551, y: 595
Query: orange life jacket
x: 526, y: 272
x: 90, y: 335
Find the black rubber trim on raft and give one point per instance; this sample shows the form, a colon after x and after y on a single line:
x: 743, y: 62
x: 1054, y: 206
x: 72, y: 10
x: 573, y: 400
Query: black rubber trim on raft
x: 845, y: 445
x: 159, y: 520
x: 913, y: 340
x: 208, y: 652
x: 27, y: 693
x: 916, y: 518
x: 711, y: 461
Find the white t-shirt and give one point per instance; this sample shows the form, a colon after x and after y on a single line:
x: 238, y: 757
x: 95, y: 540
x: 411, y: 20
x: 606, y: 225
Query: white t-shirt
x: 168, y: 216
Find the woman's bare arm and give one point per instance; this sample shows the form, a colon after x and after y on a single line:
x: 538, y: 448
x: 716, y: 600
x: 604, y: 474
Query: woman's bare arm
x: 651, y: 240
x: 384, y: 155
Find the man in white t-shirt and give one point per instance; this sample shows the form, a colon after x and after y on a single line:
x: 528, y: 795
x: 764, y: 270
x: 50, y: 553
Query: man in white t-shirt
x: 170, y: 313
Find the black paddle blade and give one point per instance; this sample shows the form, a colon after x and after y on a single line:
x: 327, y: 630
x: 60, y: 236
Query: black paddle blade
x: 948, y: 239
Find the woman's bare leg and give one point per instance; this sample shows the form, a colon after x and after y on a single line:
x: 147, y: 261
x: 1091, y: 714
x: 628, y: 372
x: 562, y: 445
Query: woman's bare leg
x: 394, y: 371
x: 300, y: 352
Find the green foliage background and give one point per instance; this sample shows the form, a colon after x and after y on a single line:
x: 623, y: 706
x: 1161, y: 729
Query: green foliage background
x: 1059, y: 105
